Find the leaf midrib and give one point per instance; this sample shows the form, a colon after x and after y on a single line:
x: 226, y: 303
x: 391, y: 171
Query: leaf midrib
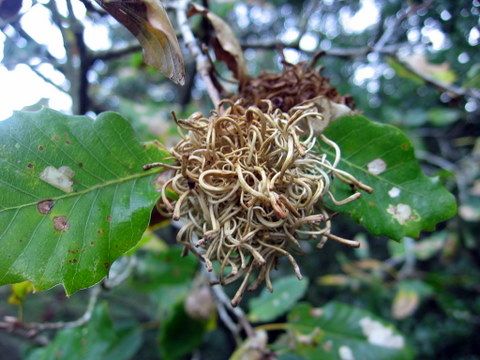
x: 87, y: 190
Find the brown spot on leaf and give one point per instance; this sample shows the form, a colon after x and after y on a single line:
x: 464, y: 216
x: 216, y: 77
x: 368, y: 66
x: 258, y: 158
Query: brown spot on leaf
x: 109, y: 218
x: 45, y: 206
x: 100, y: 232
x: 41, y: 147
x: 405, y: 146
x: 60, y: 223
x: 30, y: 165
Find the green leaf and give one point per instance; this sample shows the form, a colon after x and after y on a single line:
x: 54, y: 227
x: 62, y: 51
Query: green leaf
x: 270, y: 305
x: 166, y: 268
x: 403, y: 72
x: 73, y: 197
x: 180, y: 334
x: 340, y: 331
x: 166, y: 276
x: 97, y: 340
x: 404, y: 201
x: 473, y: 77
x: 443, y: 116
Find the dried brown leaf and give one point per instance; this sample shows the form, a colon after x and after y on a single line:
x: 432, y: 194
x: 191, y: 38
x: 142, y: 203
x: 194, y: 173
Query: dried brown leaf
x: 295, y: 85
x: 9, y: 9
x: 225, y: 44
x: 330, y: 111
x: 147, y: 20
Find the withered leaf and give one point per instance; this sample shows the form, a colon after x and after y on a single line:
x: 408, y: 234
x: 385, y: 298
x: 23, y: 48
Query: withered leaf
x: 329, y: 109
x: 225, y: 44
x: 9, y: 9
x: 147, y: 20
x: 293, y: 86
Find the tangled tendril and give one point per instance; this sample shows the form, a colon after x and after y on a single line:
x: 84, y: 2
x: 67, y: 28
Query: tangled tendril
x: 250, y: 186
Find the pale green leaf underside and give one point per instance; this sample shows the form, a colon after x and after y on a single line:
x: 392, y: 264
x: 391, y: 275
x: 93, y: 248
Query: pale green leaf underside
x: 75, y: 242
x: 405, y: 201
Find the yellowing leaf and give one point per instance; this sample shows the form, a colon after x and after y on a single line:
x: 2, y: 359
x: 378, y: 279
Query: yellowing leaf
x: 333, y: 280
x: 147, y: 20
x: 405, y: 303
x: 403, y: 72
x: 20, y: 292
x: 440, y: 72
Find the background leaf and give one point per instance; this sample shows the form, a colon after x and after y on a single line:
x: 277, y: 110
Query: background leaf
x: 443, y: 116
x: 97, y: 340
x: 166, y: 276
x: 148, y: 21
x: 340, y: 331
x: 93, y: 203
x: 404, y: 201
x: 403, y: 72
x: 270, y: 305
x: 180, y: 334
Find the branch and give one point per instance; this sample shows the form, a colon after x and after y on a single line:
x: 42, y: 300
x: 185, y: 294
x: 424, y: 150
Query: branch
x: 224, y: 302
x: 203, y: 65
x: 391, y: 31
x: 46, y: 79
x: 33, y: 330
x: 309, y: 10
x: 457, y: 91
x: 42, y: 49
x: 351, y: 53
x: 346, y: 53
x: 116, y: 53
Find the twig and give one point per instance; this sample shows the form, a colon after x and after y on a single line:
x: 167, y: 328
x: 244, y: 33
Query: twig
x: 32, y: 330
x: 391, y: 31
x: 116, y: 53
x: 221, y: 309
x: 203, y: 65
x: 346, y: 53
x: 442, y: 163
x: 41, y: 49
x: 456, y: 91
x: 46, y: 79
x: 224, y: 305
x: 351, y: 53
x: 82, y: 320
x: 310, y: 8
x: 224, y: 302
